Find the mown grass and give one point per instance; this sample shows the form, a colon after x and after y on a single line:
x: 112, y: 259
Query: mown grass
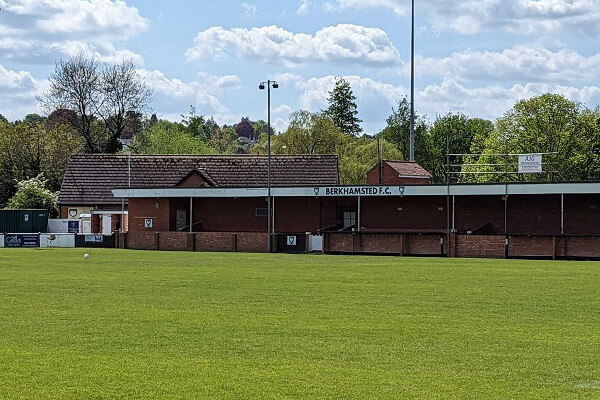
x: 156, y: 325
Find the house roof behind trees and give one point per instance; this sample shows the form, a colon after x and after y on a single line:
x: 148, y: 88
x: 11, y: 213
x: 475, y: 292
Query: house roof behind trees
x: 90, y: 178
x: 408, y: 168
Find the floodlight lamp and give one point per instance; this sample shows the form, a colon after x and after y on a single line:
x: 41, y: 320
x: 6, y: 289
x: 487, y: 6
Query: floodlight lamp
x: 275, y: 85
x: 261, y: 86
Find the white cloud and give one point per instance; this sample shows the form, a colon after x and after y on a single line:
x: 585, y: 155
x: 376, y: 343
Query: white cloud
x: 34, y: 30
x: 518, y: 64
x: 17, y: 93
x: 492, y: 101
x: 316, y: 90
x: 517, y: 16
x: 304, y: 7
x: 175, y: 96
x: 282, y: 109
x: 399, y: 7
x: 334, y: 44
x: 249, y: 9
x: 224, y: 82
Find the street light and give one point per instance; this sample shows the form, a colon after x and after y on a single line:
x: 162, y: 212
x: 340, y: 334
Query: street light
x: 269, y: 84
x: 412, y: 85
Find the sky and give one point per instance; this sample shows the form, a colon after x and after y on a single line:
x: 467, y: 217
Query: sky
x: 478, y: 57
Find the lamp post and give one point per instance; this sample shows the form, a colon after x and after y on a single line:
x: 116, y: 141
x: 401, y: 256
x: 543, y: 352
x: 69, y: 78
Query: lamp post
x: 269, y: 84
x: 412, y: 84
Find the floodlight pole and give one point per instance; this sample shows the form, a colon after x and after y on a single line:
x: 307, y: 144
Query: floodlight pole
x: 261, y: 86
x: 412, y: 85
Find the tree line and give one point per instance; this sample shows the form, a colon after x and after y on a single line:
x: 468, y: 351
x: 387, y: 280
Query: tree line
x: 93, y: 107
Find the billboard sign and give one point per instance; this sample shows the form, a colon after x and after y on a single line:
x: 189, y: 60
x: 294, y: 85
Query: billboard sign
x: 530, y: 163
x: 17, y: 240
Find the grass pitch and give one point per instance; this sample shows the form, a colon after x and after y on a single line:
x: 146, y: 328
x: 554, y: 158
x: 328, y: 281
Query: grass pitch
x: 155, y: 325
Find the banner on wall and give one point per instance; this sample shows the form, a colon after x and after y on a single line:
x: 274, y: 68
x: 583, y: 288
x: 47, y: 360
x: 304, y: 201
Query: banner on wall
x: 530, y: 163
x: 22, y: 240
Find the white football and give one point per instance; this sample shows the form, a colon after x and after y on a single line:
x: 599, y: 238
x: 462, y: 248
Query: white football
x: 86, y: 256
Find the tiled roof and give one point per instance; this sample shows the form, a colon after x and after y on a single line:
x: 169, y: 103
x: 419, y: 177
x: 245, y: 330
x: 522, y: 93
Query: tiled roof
x: 408, y: 168
x: 90, y: 178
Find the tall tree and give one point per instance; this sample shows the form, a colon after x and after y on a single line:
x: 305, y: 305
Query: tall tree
x: 342, y: 108
x: 245, y: 129
x: 455, y: 131
x: 98, y: 97
x: 397, y: 132
x: 123, y: 93
x: 75, y: 86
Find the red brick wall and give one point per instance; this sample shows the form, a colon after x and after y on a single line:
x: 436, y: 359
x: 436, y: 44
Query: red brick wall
x: 534, y: 215
x: 193, y: 180
x: 141, y: 240
x: 379, y: 243
x: 478, y: 246
x: 473, y: 212
x: 338, y: 243
x: 582, y: 214
x: 297, y: 214
x: 252, y: 242
x: 215, y: 241
x: 140, y: 209
x: 422, y: 245
x: 173, y: 241
x: 229, y: 215
x: 531, y: 246
x: 584, y: 246
x: 424, y: 213
x: 382, y: 243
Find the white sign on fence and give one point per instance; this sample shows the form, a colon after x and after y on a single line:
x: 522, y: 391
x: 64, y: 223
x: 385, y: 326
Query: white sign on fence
x: 530, y: 163
x: 57, y: 240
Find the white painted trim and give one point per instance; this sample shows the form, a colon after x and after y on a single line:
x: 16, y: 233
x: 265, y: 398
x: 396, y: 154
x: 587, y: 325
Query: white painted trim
x: 365, y: 191
x: 109, y: 212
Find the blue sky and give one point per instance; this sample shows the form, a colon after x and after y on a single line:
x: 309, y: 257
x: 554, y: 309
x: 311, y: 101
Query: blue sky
x: 474, y: 56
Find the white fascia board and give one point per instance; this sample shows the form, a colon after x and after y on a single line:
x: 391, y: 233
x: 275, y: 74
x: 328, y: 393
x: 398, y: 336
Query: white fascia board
x: 555, y: 188
x: 191, y: 192
x: 366, y: 191
x: 477, y: 190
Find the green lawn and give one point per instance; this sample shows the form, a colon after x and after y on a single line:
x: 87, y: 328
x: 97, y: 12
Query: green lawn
x: 157, y: 325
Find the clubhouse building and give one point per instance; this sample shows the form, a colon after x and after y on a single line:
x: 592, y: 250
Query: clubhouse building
x: 219, y: 203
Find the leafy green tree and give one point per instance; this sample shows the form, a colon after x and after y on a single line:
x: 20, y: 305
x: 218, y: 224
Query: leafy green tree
x: 310, y: 133
x: 166, y: 137
x: 32, y: 193
x: 342, y: 108
x: 397, y: 132
x: 225, y: 141
x: 359, y: 155
x: 198, y: 126
x: 457, y: 132
x: 544, y: 124
x: 3, y: 119
x: 33, y: 119
x: 260, y: 127
x: 26, y: 149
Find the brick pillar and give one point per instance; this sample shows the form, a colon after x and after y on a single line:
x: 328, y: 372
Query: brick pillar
x: 191, y: 242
